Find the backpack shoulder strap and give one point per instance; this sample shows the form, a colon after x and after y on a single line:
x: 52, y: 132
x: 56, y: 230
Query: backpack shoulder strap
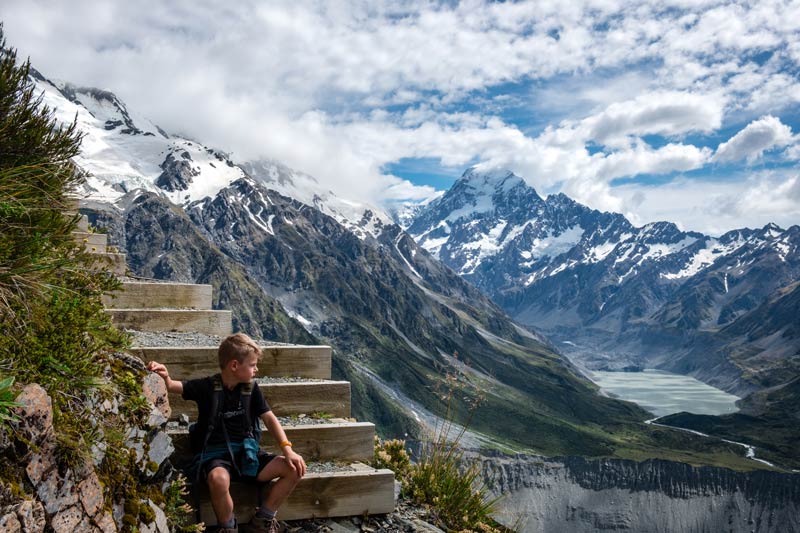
x: 216, y: 406
x: 247, y: 398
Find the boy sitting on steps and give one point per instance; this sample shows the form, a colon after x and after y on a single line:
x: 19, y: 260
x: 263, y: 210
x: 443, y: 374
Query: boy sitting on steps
x: 223, y: 445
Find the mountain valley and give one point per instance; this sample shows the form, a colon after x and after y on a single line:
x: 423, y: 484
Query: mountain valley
x: 613, y: 296
x: 297, y: 264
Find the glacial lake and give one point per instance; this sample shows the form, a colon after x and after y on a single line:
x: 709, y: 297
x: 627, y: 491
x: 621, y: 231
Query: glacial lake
x: 663, y: 393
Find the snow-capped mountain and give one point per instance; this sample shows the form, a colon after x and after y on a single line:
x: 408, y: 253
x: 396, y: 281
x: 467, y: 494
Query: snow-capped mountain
x: 360, y: 218
x: 122, y: 151
x: 295, y: 263
x: 593, y: 279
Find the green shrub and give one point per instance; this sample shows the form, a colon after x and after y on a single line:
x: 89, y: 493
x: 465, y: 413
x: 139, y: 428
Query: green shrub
x: 392, y: 454
x: 180, y: 514
x: 7, y: 402
x: 443, y: 479
x: 451, y: 485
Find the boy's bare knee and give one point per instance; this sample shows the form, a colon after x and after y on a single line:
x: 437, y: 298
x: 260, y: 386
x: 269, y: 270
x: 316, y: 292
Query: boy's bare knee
x: 218, y: 479
x: 288, y: 471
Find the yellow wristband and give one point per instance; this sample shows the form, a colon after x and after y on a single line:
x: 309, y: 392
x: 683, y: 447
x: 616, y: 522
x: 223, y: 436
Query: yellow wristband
x: 285, y: 443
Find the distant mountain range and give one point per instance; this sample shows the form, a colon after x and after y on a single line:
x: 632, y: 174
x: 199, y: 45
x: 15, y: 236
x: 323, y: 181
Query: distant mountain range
x: 298, y: 264
x: 611, y: 295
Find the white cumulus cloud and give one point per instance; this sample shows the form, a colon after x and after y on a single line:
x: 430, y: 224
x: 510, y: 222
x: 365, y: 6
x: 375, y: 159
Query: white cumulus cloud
x: 567, y: 94
x: 756, y: 138
x: 660, y: 113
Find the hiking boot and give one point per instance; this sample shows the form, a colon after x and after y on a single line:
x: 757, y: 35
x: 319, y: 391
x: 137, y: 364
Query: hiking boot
x: 264, y: 525
x: 234, y: 529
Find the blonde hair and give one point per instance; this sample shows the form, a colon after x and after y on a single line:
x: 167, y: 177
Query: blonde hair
x: 237, y: 346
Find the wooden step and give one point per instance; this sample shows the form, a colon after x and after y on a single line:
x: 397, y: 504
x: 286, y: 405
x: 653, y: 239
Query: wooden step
x: 143, y: 295
x: 83, y: 220
x: 289, y: 398
x: 72, y: 203
x: 336, y: 440
x: 312, y: 362
x: 364, y: 490
x: 116, y: 263
x: 93, y: 242
x: 211, y: 322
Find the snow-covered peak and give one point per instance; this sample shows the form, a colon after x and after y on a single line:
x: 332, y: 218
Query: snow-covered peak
x: 771, y: 230
x: 122, y: 152
x: 404, y: 213
x: 487, y: 182
x: 101, y: 104
x: 360, y: 218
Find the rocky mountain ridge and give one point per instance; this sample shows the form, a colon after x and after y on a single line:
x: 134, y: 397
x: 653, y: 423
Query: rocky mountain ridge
x: 613, y: 294
x: 123, y: 152
x: 299, y: 269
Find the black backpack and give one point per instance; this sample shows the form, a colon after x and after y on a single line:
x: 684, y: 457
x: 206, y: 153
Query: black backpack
x: 199, y: 440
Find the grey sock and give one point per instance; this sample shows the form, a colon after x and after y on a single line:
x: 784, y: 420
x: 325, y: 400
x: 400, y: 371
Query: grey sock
x: 229, y: 523
x: 263, y: 512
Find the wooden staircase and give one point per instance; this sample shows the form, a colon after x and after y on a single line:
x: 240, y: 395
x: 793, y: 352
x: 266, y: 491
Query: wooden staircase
x: 97, y: 245
x: 295, y: 380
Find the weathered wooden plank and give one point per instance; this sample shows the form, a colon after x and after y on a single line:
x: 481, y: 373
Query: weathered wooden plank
x: 304, y: 361
x: 353, y: 493
x: 116, y: 263
x: 212, y: 322
x: 143, y: 295
x: 92, y: 242
x: 190, y: 362
x: 334, y: 441
x: 345, y: 441
x: 72, y: 203
x: 285, y: 399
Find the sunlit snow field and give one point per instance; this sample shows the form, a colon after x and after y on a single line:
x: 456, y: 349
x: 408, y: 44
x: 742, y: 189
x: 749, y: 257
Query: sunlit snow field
x: 663, y: 393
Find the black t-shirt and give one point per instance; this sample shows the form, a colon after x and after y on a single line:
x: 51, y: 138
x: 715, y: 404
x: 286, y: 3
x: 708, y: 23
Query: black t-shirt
x: 201, y: 391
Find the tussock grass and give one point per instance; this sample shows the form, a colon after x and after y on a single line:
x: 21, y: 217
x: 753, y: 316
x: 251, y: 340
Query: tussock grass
x: 442, y: 479
x: 54, y: 330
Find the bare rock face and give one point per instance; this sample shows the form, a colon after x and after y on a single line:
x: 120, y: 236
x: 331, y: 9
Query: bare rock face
x: 57, y: 492
x: 105, y: 523
x: 159, y: 524
x: 156, y: 393
x: 25, y: 516
x: 177, y: 173
x: 582, y: 495
x: 9, y: 523
x: 72, y: 500
x: 31, y: 516
x: 91, y: 494
x: 35, y: 414
x: 67, y: 520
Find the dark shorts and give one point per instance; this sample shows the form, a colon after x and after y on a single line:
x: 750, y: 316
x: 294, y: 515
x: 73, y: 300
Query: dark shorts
x: 264, y: 459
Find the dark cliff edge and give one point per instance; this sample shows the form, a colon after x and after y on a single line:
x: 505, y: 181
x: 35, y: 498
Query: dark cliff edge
x: 673, y: 479
x: 543, y: 494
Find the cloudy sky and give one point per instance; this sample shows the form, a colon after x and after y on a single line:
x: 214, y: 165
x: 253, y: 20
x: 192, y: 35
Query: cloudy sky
x: 672, y: 109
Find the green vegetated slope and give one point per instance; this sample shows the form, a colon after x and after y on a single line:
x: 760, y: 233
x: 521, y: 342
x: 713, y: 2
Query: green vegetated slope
x: 58, y: 348
x: 765, y: 345
x: 774, y: 430
x: 403, y: 326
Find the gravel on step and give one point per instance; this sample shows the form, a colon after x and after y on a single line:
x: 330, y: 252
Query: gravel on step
x: 406, y: 518
x: 326, y: 467
x: 302, y: 420
x: 266, y: 380
x: 137, y: 279
x: 147, y: 339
